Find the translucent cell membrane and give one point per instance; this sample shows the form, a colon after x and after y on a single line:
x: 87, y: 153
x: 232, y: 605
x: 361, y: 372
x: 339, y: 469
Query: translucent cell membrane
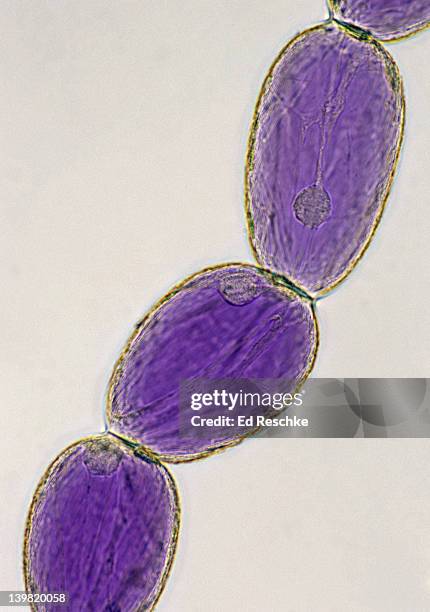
x: 322, y: 153
x: 234, y: 321
x: 385, y: 19
x: 102, y: 529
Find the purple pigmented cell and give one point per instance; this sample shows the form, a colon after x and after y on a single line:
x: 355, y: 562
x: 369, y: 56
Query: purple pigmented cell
x: 229, y: 322
x: 322, y: 153
x: 385, y: 19
x: 102, y: 529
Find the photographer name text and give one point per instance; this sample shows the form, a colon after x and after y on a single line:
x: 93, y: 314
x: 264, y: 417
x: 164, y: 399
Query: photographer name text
x: 248, y: 421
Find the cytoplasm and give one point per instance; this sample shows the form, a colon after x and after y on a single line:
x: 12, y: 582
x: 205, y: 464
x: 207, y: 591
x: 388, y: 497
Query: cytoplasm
x: 102, y: 528
x: 385, y: 19
x: 233, y: 321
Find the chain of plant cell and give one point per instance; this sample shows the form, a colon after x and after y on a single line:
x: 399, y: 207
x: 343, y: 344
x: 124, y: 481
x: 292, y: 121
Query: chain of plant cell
x: 324, y: 143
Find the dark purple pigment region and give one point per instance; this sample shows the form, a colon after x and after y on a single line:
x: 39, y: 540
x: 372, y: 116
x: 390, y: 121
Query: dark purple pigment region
x: 231, y: 322
x: 103, y: 529
x: 323, y: 148
x: 386, y: 19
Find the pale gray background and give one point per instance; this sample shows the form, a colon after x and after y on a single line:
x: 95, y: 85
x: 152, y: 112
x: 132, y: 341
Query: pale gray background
x: 123, y: 129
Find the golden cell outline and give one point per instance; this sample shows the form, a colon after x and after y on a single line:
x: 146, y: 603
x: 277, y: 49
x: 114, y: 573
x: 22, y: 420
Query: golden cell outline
x: 176, y: 519
x: 276, y: 280
x: 393, y: 76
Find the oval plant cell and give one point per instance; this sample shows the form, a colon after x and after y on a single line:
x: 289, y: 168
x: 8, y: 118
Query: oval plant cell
x: 322, y: 152
x: 385, y: 19
x: 232, y: 329
x: 102, y: 529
